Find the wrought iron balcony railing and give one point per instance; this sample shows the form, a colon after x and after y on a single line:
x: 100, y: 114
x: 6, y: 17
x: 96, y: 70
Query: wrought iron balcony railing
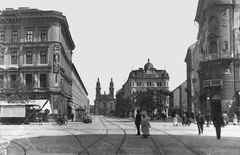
x: 212, y: 83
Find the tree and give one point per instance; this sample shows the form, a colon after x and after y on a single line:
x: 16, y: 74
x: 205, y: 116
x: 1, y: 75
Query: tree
x: 150, y: 99
x: 15, y: 91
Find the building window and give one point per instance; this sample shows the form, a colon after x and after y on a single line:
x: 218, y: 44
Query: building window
x: 13, y: 77
x: 13, y: 58
x: 14, y: 36
x: 29, y: 57
x: 213, y: 47
x: 139, y: 84
x: 43, y: 57
x: 43, y: 80
x: 149, y: 84
x: 29, y: 79
x: 43, y: 35
x: 1, y: 37
x: 212, y: 23
x: 159, y: 84
x: 1, y: 77
x: 2, y: 57
x: 29, y: 35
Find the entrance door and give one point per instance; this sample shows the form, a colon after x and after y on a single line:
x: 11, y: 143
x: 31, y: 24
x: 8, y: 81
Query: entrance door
x: 216, y: 107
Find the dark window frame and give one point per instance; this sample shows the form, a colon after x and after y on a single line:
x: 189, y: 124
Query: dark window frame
x: 2, y: 36
x: 14, y: 36
x: 29, y: 35
x: 29, y: 57
x: 43, y: 57
x: 43, y: 80
x: 44, y: 34
x: 13, y: 58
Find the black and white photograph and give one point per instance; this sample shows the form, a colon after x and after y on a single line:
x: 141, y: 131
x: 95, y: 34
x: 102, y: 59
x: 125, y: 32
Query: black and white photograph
x: 120, y: 77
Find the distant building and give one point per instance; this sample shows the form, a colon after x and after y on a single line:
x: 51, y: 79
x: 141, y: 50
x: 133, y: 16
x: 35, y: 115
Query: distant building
x: 80, y: 101
x: 146, y: 78
x: 104, y: 103
x: 193, y: 86
x: 179, y: 99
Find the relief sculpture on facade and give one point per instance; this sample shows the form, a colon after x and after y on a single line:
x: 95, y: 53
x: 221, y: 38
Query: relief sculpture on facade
x: 224, y: 19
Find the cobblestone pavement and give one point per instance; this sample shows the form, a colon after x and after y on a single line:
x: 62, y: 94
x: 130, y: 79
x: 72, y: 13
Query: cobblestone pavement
x: 76, y: 137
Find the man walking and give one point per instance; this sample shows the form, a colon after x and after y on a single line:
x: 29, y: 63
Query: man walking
x: 72, y: 116
x: 200, y: 121
x: 218, y: 123
x: 138, y: 122
x: 208, y: 118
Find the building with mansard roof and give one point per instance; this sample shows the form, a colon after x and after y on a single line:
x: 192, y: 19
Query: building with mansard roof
x: 145, y: 78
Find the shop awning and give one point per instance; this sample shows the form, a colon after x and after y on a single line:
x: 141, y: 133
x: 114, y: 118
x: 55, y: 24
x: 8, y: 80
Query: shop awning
x: 41, y: 104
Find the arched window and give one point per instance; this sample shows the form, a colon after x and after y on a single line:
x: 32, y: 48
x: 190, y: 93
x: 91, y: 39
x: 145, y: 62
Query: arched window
x: 216, y: 97
x: 213, y: 23
x: 213, y: 48
x: 225, y: 46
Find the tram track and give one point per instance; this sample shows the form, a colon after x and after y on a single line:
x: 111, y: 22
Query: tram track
x: 161, y: 149
x: 22, y: 151
x: 86, y: 149
x: 118, y: 147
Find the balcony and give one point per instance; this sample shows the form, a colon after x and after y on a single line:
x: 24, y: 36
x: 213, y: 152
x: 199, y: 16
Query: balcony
x: 215, y: 56
x: 212, y: 83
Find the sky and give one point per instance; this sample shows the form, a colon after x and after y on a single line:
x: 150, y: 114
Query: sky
x: 114, y: 37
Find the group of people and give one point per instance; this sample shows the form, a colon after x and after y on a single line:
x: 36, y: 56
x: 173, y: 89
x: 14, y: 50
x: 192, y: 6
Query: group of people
x: 143, y: 122
x: 219, y: 121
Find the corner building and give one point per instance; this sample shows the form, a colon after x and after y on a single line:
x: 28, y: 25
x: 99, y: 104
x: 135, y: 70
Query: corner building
x: 36, y: 46
x: 218, y: 47
x: 147, y: 78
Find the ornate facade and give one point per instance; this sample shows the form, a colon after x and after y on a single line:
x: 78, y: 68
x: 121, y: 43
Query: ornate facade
x: 104, y: 104
x: 218, y: 55
x: 36, y: 46
x: 146, y: 78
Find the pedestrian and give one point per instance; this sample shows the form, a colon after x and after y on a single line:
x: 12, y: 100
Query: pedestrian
x: 200, y: 121
x: 208, y: 118
x: 40, y: 120
x: 175, y: 119
x: 138, y: 122
x: 72, y: 116
x: 225, y: 119
x: 234, y: 119
x: 145, y: 126
x: 164, y: 117
x: 218, y: 123
x: 184, y: 120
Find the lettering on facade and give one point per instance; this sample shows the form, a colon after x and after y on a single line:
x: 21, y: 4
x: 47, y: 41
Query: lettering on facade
x: 150, y: 75
x: 1, y: 55
x: 56, y: 66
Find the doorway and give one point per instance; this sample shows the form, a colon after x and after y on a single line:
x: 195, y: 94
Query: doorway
x: 216, y: 107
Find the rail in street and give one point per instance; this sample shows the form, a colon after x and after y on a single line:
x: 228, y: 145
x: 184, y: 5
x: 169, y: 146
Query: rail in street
x: 117, y: 136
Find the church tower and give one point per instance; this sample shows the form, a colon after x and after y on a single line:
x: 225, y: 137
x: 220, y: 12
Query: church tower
x: 98, y: 88
x: 111, y: 88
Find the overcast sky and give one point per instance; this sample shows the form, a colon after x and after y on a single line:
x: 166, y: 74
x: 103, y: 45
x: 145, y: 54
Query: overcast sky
x: 113, y: 37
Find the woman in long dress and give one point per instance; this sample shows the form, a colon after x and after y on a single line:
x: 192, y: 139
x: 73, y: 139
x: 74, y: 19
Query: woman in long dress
x: 145, y: 126
x: 175, y: 120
